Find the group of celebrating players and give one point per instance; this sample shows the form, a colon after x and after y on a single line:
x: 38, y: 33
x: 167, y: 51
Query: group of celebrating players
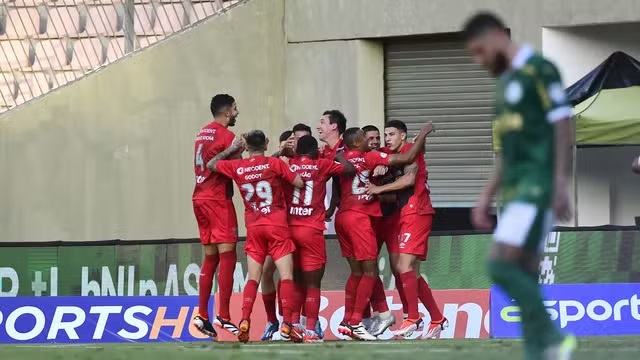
x: 381, y: 196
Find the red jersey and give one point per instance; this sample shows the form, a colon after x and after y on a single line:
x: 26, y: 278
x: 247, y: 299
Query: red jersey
x: 330, y: 153
x: 212, y: 140
x: 352, y: 189
x: 261, y: 181
x: 416, y: 199
x: 306, y: 205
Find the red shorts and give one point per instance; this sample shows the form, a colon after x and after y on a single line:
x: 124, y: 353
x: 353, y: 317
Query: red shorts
x: 263, y: 240
x: 311, y: 252
x: 217, y: 221
x: 414, y: 235
x: 387, y: 229
x: 355, y: 234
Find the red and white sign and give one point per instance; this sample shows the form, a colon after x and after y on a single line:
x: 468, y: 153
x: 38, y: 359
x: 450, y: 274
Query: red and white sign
x: 466, y: 310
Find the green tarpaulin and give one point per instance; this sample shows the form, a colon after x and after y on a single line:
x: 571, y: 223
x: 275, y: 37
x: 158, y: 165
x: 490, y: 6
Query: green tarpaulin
x: 610, y: 117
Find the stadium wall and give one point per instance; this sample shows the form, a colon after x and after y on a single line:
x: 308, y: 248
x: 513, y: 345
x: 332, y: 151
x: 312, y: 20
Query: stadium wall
x: 111, y: 156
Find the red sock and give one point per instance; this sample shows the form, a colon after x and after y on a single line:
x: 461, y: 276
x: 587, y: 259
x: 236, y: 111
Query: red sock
x: 312, y: 304
x: 401, y: 294
x: 365, y: 288
x: 248, y: 298
x: 225, y: 282
x: 350, y: 291
x: 287, y: 297
x: 205, y: 283
x: 367, y: 311
x: 299, y: 295
x: 410, y: 288
x: 426, y: 297
x: 378, y: 298
x: 278, y: 287
x: 269, y: 301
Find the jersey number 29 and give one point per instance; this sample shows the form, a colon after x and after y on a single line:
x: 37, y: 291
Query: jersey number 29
x: 262, y: 190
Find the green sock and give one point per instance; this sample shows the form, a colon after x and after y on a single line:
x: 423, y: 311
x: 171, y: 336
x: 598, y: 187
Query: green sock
x: 538, y: 331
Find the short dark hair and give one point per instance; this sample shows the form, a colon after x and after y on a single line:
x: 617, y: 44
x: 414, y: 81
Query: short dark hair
x: 337, y: 117
x: 480, y: 23
x: 349, y: 136
x: 368, y: 128
x: 220, y: 103
x: 301, y: 127
x: 256, y: 140
x: 285, y: 135
x: 307, y: 145
x: 396, y: 124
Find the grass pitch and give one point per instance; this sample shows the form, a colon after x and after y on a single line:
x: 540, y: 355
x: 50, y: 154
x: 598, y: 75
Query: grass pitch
x: 607, y: 348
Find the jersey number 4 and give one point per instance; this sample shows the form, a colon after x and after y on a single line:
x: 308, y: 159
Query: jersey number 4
x: 199, y: 160
x: 262, y: 190
x: 308, y: 194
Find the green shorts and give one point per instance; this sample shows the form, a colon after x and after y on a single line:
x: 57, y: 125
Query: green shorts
x: 524, y: 225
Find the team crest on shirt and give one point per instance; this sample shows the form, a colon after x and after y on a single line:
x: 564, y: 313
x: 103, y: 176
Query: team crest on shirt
x: 383, y: 155
x: 513, y: 92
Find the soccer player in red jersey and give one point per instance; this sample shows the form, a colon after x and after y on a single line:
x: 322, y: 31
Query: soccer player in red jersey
x: 386, y: 230
x: 215, y: 214
x: 416, y: 216
x: 288, y: 141
x: 306, y: 221
x: 261, y: 181
x: 356, y: 214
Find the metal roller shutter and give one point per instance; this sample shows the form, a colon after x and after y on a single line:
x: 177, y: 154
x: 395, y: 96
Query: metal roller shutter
x: 436, y: 80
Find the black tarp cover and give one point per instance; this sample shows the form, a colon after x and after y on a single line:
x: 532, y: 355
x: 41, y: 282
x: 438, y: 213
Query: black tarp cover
x: 619, y: 70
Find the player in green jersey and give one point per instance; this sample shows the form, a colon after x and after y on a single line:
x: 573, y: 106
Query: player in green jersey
x: 532, y: 122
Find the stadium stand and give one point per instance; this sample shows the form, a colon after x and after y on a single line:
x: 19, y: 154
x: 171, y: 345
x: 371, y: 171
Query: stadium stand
x: 46, y: 44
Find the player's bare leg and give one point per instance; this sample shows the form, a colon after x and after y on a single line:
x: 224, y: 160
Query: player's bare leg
x: 285, y: 269
x: 249, y: 294
x: 269, y: 299
x: 205, y: 282
x: 363, y: 295
x: 438, y: 322
x: 350, y: 291
x: 313, y: 280
x: 227, y: 254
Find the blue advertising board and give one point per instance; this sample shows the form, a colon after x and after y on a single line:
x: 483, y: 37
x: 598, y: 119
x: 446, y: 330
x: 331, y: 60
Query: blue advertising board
x: 89, y: 319
x: 579, y: 309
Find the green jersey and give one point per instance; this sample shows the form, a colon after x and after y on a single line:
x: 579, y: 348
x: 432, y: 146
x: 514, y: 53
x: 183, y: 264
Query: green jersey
x: 529, y: 99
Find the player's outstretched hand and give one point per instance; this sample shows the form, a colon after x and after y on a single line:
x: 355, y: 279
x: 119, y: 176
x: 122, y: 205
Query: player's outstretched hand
x: 239, y: 143
x: 480, y: 216
x: 429, y: 128
x: 373, y: 189
x: 380, y: 170
x: 287, y: 152
x: 290, y: 142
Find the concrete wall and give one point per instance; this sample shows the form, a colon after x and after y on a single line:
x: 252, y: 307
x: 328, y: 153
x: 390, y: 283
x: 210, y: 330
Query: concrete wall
x: 111, y: 156
x: 345, y: 75
x: 604, y: 175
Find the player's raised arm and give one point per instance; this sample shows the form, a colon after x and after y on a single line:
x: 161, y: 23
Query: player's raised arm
x: 417, y: 148
x: 235, y: 146
x: 347, y: 168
